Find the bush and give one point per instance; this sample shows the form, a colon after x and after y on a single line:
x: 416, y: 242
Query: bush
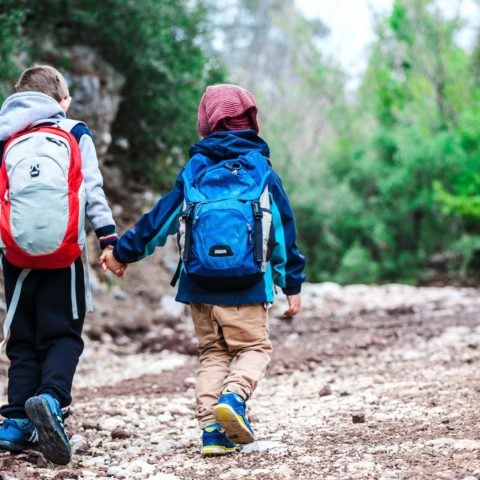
x: 357, y: 266
x: 162, y: 47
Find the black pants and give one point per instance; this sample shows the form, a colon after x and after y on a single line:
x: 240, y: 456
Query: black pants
x: 45, y: 340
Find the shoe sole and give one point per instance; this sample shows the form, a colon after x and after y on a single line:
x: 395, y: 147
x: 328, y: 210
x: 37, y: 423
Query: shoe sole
x: 234, y: 425
x: 215, y: 450
x: 51, y: 438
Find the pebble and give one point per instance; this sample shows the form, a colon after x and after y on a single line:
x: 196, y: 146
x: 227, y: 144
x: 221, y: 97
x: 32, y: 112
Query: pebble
x: 163, y: 446
x: 79, y: 444
x: 325, y: 391
x: 358, y: 418
x: 164, y: 476
x: 113, y: 471
x: 41, y: 462
x: 455, y: 443
x: 118, y: 293
x: 111, y: 423
x: 262, y: 446
x: 120, y: 433
x: 170, y: 306
x: 234, y: 474
x: 140, y: 466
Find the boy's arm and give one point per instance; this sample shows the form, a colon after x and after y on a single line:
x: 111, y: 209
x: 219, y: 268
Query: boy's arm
x: 97, y: 209
x: 287, y: 261
x: 153, y: 227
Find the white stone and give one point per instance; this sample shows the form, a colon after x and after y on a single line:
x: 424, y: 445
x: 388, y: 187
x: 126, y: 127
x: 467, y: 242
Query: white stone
x: 234, y: 474
x: 261, y: 471
x: 164, y: 476
x: 262, y: 446
x: 94, y: 461
x: 113, y: 471
x: 190, y: 381
x: 79, y: 444
x: 140, y: 466
x: 161, y: 445
x: 88, y: 473
x: 455, y: 443
x: 118, y: 293
x: 170, y: 306
x: 111, y: 423
x: 283, y: 472
x: 178, y: 409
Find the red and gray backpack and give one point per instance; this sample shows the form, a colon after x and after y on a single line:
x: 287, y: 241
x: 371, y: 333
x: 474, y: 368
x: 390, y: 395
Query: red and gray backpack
x: 42, y: 205
x: 42, y: 197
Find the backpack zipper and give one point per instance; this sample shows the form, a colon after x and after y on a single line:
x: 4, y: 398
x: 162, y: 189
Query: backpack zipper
x: 196, y: 213
x: 250, y: 233
x: 57, y: 142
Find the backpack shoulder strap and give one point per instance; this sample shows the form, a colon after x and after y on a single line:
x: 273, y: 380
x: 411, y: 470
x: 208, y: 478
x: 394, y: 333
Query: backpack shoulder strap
x: 41, y: 122
x: 68, y: 124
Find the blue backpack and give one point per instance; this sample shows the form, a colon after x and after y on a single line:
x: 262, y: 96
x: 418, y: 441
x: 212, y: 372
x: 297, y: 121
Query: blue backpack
x: 226, y: 233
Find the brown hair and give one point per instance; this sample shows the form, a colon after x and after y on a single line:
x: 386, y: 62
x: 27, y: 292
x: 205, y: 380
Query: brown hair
x: 44, y: 79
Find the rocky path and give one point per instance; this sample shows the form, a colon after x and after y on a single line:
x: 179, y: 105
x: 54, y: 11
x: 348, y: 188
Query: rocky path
x: 369, y: 383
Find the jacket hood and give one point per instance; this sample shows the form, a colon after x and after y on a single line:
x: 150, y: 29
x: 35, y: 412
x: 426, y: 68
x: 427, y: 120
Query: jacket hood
x: 22, y: 109
x: 230, y: 105
x: 230, y: 144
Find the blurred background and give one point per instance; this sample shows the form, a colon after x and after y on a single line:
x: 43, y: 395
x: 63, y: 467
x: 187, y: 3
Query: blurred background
x: 371, y: 109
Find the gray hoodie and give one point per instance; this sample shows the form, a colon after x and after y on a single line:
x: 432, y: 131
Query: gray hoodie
x: 21, y: 110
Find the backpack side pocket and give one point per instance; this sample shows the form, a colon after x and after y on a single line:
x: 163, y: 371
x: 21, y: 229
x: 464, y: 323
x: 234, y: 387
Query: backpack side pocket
x: 268, y: 233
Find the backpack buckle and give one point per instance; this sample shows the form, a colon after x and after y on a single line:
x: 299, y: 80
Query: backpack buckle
x: 188, y: 211
x: 234, y: 167
x: 257, y: 211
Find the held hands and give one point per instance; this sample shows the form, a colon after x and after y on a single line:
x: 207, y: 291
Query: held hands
x: 109, y: 262
x: 294, y: 305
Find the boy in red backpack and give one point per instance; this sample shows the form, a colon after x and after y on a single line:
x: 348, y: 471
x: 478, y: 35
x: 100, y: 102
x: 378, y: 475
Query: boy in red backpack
x: 49, y: 181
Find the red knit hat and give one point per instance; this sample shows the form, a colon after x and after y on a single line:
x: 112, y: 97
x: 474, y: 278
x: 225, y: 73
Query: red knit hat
x: 226, y: 107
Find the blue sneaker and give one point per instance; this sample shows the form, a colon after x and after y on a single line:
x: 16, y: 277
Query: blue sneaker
x: 46, y: 415
x: 215, y: 442
x: 17, y: 434
x: 230, y: 413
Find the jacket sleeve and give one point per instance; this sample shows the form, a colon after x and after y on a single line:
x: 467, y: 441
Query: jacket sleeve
x: 97, y: 209
x: 287, y: 261
x: 153, y: 228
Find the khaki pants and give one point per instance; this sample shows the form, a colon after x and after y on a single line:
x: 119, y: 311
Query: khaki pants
x: 234, y: 352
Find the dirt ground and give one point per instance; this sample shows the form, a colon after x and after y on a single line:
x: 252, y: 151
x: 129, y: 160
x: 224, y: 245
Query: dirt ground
x: 368, y: 383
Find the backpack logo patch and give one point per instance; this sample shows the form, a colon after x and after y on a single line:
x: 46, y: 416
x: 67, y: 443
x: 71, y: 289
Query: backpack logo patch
x: 35, y: 170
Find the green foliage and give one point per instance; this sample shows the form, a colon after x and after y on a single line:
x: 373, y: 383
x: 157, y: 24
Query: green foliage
x: 400, y: 177
x: 357, y: 266
x: 466, y: 249
x: 12, y: 14
x: 162, y: 47
x: 462, y: 205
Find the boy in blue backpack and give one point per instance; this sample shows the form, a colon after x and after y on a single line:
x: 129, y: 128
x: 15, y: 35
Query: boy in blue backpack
x: 46, y: 302
x: 236, y: 234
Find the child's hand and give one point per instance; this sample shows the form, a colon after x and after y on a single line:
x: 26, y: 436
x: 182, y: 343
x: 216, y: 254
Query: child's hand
x: 109, y: 262
x: 294, y: 305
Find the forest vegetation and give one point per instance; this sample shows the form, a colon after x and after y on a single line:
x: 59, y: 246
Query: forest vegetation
x: 384, y: 178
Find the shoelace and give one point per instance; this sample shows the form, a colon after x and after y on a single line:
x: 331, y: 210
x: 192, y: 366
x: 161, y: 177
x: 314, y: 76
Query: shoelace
x: 7, y: 423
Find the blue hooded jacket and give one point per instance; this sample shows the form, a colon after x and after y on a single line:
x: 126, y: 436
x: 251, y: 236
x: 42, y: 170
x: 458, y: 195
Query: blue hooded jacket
x: 286, y: 265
